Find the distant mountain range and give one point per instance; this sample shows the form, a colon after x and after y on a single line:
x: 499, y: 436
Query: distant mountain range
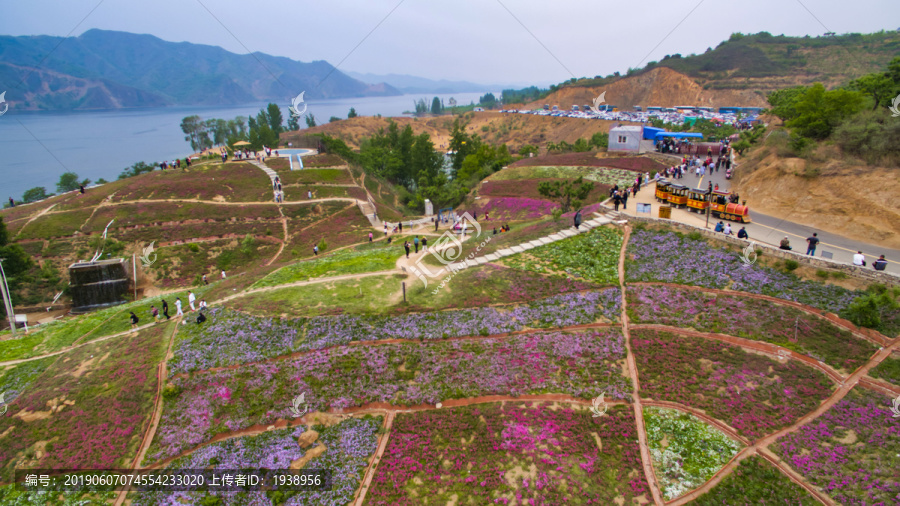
x: 414, y: 84
x: 103, y: 69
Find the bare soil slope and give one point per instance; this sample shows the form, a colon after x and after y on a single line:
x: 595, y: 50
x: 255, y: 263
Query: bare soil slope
x: 851, y: 199
x: 660, y: 86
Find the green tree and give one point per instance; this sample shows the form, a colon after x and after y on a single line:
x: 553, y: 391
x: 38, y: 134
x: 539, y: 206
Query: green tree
x: 352, y: 113
x: 310, y: 120
x: 568, y: 193
x: 436, y: 106
x: 293, y: 124
x: 137, y: 169
x: 35, y: 194
x: 275, y: 120
x: 462, y: 145
x: 819, y: 111
x: 421, y: 107
x: 878, y: 86
x: 195, y: 130
x: 600, y: 140
x: 68, y: 181
x: 528, y: 149
x: 784, y: 102
x: 488, y: 100
x: 333, y: 119
x: 4, y: 233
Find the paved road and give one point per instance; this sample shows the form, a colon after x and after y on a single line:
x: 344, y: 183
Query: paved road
x: 771, y: 229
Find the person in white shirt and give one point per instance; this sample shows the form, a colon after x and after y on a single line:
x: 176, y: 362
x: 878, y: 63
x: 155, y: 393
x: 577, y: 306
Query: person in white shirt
x: 859, y: 259
x: 728, y: 229
x: 191, y: 299
x: 203, y: 305
x: 178, y: 311
x: 223, y: 274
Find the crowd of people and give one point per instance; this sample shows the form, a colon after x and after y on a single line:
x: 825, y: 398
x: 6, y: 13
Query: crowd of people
x: 179, y: 311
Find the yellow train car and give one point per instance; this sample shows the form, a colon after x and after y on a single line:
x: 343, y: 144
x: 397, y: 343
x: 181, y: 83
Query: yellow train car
x: 678, y: 195
x: 662, y: 190
x: 698, y: 200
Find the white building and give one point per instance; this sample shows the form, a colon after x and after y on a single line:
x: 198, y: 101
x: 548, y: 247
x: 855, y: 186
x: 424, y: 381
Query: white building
x: 625, y: 138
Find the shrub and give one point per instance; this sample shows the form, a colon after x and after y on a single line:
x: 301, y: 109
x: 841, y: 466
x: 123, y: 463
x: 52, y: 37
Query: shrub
x: 194, y: 247
x: 822, y: 274
x: 791, y: 265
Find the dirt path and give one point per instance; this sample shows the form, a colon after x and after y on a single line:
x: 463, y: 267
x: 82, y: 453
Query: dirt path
x: 373, y: 463
x: 150, y: 433
x: 646, y: 461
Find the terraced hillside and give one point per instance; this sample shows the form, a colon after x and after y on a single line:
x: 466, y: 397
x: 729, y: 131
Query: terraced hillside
x: 602, y: 365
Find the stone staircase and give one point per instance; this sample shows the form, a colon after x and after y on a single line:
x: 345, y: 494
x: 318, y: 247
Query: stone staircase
x: 269, y: 172
x: 519, y: 248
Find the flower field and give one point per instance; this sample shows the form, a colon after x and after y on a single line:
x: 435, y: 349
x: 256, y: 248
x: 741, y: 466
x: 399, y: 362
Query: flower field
x: 511, y: 454
x: 852, y: 452
x: 672, y: 258
x: 517, y: 208
x: 580, y: 364
x: 106, y: 399
x: 235, y: 338
x: 888, y: 370
x: 755, y: 482
x: 750, y: 318
x: 686, y: 452
x: 592, y: 256
x: 234, y: 181
x: 754, y: 394
x: 348, y: 445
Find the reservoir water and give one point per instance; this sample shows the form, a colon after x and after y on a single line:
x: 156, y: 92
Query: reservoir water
x: 37, y: 147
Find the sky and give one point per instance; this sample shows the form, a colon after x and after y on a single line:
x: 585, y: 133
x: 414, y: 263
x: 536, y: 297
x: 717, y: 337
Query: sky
x: 517, y: 42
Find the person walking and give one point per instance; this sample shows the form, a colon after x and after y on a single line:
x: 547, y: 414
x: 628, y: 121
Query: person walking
x: 223, y: 274
x: 406, y: 246
x: 191, y: 299
x: 370, y: 236
x: 154, y: 312
x: 625, y: 200
x: 616, y: 201
x: 12, y: 203
x: 880, y: 264
x: 309, y: 194
x: 742, y: 233
x: 785, y: 244
x: 424, y: 243
x: 416, y: 243
x: 81, y: 188
x: 577, y: 219
x: 178, y: 311
x: 813, y: 241
x: 859, y: 259
x: 316, y: 250
x: 134, y: 320
x: 165, y: 306
x: 205, y: 281
x: 400, y: 224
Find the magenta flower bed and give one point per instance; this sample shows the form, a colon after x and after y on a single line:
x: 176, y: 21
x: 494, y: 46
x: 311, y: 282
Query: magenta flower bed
x: 752, y: 319
x: 752, y: 393
x: 852, y: 451
x: 509, y: 454
x: 580, y: 364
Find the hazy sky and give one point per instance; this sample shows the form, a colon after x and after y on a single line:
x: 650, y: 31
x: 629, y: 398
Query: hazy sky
x: 486, y: 41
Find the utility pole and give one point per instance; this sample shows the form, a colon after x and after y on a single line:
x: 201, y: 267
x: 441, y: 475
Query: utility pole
x: 7, y: 300
x: 708, y: 206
